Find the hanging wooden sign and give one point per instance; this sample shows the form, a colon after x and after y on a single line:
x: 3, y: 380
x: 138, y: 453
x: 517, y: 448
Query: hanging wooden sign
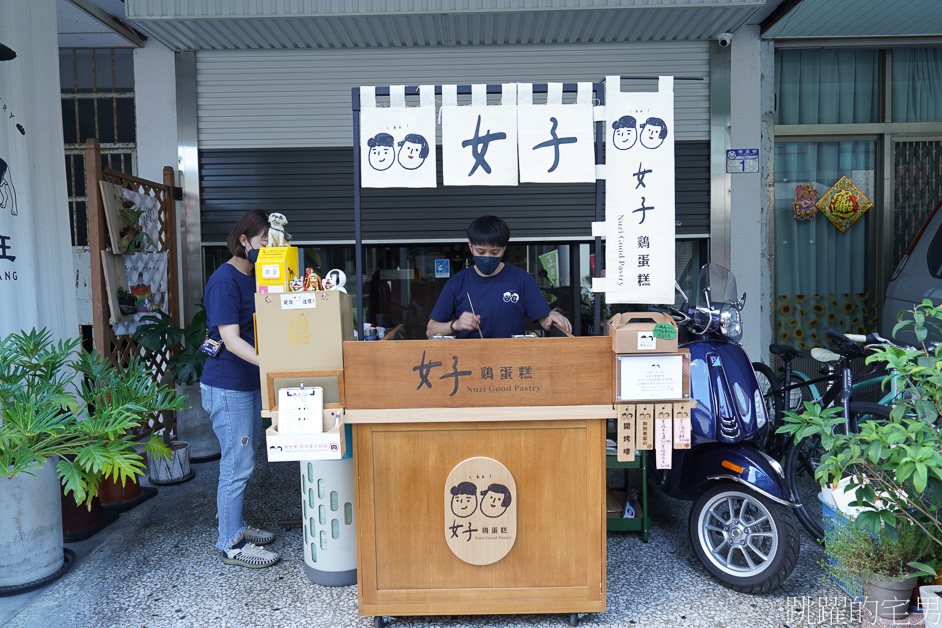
x: 682, y: 425
x: 644, y: 419
x: 480, y: 511
x: 843, y: 204
x: 663, y: 443
x: 626, y: 432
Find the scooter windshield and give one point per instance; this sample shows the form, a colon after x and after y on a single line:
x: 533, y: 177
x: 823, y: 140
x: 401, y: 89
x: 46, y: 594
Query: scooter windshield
x: 716, y: 286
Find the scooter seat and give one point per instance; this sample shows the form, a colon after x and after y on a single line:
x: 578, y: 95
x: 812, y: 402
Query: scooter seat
x: 788, y: 353
x: 825, y: 356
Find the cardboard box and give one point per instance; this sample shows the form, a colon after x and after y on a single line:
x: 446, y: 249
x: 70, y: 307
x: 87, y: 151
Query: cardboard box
x: 643, y: 332
x: 331, y: 444
x: 301, y: 331
x: 275, y: 268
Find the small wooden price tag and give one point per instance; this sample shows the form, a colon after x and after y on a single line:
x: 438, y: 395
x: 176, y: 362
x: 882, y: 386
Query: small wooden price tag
x: 682, y: 425
x: 626, y: 432
x: 644, y: 419
x: 663, y: 444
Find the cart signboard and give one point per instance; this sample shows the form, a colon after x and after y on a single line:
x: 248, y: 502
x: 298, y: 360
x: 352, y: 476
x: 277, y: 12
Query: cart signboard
x: 480, y: 511
x: 478, y: 373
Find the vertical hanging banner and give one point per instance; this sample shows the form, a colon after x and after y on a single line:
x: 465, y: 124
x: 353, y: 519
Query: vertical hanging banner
x: 397, y: 143
x: 37, y: 279
x: 556, y: 142
x: 639, y: 194
x: 479, y: 142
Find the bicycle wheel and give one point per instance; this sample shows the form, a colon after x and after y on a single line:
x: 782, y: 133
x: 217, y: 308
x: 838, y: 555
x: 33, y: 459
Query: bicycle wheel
x: 795, y: 398
x: 771, y: 391
x: 803, y: 459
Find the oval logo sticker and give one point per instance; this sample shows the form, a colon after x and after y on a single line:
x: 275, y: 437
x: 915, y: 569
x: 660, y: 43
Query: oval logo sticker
x: 480, y: 511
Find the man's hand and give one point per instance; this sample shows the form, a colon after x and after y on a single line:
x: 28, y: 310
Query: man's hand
x: 468, y: 321
x: 555, y: 317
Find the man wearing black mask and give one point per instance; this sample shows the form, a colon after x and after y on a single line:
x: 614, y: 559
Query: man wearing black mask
x: 490, y: 297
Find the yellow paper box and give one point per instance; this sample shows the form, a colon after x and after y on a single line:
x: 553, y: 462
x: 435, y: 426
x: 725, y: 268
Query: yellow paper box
x: 276, y: 267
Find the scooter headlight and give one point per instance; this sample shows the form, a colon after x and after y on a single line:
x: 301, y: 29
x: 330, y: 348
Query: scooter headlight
x: 731, y: 323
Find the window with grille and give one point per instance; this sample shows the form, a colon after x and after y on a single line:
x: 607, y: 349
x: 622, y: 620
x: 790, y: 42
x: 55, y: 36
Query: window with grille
x: 97, y: 88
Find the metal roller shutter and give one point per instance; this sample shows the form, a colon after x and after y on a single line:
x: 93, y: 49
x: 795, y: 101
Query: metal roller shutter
x: 301, y: 98
x: 313, y: 187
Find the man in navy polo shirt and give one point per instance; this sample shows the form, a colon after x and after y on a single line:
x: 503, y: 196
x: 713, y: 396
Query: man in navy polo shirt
x: 502, y: 296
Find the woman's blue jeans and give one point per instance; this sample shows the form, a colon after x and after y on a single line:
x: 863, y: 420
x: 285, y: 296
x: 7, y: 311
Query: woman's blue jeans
x: 237, y: 422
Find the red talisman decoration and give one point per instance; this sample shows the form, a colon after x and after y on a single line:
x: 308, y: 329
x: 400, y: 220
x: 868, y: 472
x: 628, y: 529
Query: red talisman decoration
x: 843, y: 204
x: 804, y: 202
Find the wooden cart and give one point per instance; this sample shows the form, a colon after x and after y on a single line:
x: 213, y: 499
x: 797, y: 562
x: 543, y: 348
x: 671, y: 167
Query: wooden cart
x: 534, y: 407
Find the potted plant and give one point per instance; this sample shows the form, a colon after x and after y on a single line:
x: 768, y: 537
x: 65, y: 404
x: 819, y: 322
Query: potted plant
x: 893, y: 467
x: 66, y: 413
x: 888, y: 568
x: 156, y: 333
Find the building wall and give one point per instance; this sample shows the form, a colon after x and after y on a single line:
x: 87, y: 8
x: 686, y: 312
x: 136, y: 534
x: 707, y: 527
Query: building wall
x: 749, y: 257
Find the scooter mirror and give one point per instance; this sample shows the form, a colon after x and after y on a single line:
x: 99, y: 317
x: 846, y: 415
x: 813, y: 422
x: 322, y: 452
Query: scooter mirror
x: 742, y: 302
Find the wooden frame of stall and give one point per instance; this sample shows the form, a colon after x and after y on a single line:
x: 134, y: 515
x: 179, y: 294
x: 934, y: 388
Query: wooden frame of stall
x: 418, y: 409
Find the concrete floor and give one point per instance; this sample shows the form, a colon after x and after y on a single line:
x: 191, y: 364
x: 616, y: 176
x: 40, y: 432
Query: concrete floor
x: 156, y: 567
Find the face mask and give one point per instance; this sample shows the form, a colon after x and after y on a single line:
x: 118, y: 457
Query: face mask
x: 252, y: 255
x: 486, y: 265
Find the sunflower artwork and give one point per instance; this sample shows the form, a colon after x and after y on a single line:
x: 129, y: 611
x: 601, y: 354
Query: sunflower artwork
x: 843, y: 204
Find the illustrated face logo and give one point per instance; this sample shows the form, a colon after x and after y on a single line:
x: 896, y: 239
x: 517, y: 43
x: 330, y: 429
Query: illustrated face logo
x: 511, y: 297
x: 381, y: 157
x: 495, y: 500
x: 464, y: 499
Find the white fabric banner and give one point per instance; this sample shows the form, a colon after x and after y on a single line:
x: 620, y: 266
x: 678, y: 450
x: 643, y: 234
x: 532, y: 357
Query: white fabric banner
x: 479, y: 142
x: 397, y: 143
x: 556, y: 142
x: 37, y: 279
x: 639, y: 194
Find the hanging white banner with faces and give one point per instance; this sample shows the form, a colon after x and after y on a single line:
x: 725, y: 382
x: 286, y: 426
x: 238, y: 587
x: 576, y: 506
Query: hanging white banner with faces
x: 397, y: 143
x: 556, y: 141
x: 639, y: 194
x: 479, y: 142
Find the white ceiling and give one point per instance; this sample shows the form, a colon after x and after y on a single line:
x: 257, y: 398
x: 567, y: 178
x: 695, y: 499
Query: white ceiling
x: 94, y: 24
x: 280, y: 24
x: 860, y: 19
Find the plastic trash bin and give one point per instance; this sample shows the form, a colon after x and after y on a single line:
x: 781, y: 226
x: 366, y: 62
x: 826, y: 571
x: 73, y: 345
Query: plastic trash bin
x: 330, y: 544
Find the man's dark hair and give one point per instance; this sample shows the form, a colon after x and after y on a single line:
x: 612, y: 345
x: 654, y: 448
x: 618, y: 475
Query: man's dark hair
x: 251, y: 224
x: 489, y: 230
x: 464, y: 488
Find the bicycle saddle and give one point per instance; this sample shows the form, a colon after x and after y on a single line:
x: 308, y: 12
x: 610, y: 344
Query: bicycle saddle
x: 788, y: 353
x: 825, y: 356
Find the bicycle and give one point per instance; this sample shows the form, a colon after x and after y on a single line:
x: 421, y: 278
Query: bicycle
x: 800, y: 460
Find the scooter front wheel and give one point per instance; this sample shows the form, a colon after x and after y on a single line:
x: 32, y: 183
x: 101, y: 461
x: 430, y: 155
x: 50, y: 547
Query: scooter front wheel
x: 745, y: 540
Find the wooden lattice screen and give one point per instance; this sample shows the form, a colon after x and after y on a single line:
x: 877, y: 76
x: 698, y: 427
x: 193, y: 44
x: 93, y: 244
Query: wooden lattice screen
x: 120, y: 349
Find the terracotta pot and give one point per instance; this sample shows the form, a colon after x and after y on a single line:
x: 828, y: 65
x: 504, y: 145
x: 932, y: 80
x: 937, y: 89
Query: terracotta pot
x: 111, y: 493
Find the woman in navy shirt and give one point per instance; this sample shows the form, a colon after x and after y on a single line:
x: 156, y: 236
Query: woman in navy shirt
x: 232, y: 392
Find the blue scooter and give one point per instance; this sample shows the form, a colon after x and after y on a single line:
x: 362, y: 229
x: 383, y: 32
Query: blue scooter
x: 742, y: 522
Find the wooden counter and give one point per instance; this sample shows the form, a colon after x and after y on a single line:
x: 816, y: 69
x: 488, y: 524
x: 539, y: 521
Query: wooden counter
x: 543, y: 422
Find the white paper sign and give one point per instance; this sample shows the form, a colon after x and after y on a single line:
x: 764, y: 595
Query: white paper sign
x: 397, y: 143
x: 639, y: 194
x: 556, y: 142
x: 299, y: 300
x: 479, y: 142
x: 650, y: 377
x: 300, y: 410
